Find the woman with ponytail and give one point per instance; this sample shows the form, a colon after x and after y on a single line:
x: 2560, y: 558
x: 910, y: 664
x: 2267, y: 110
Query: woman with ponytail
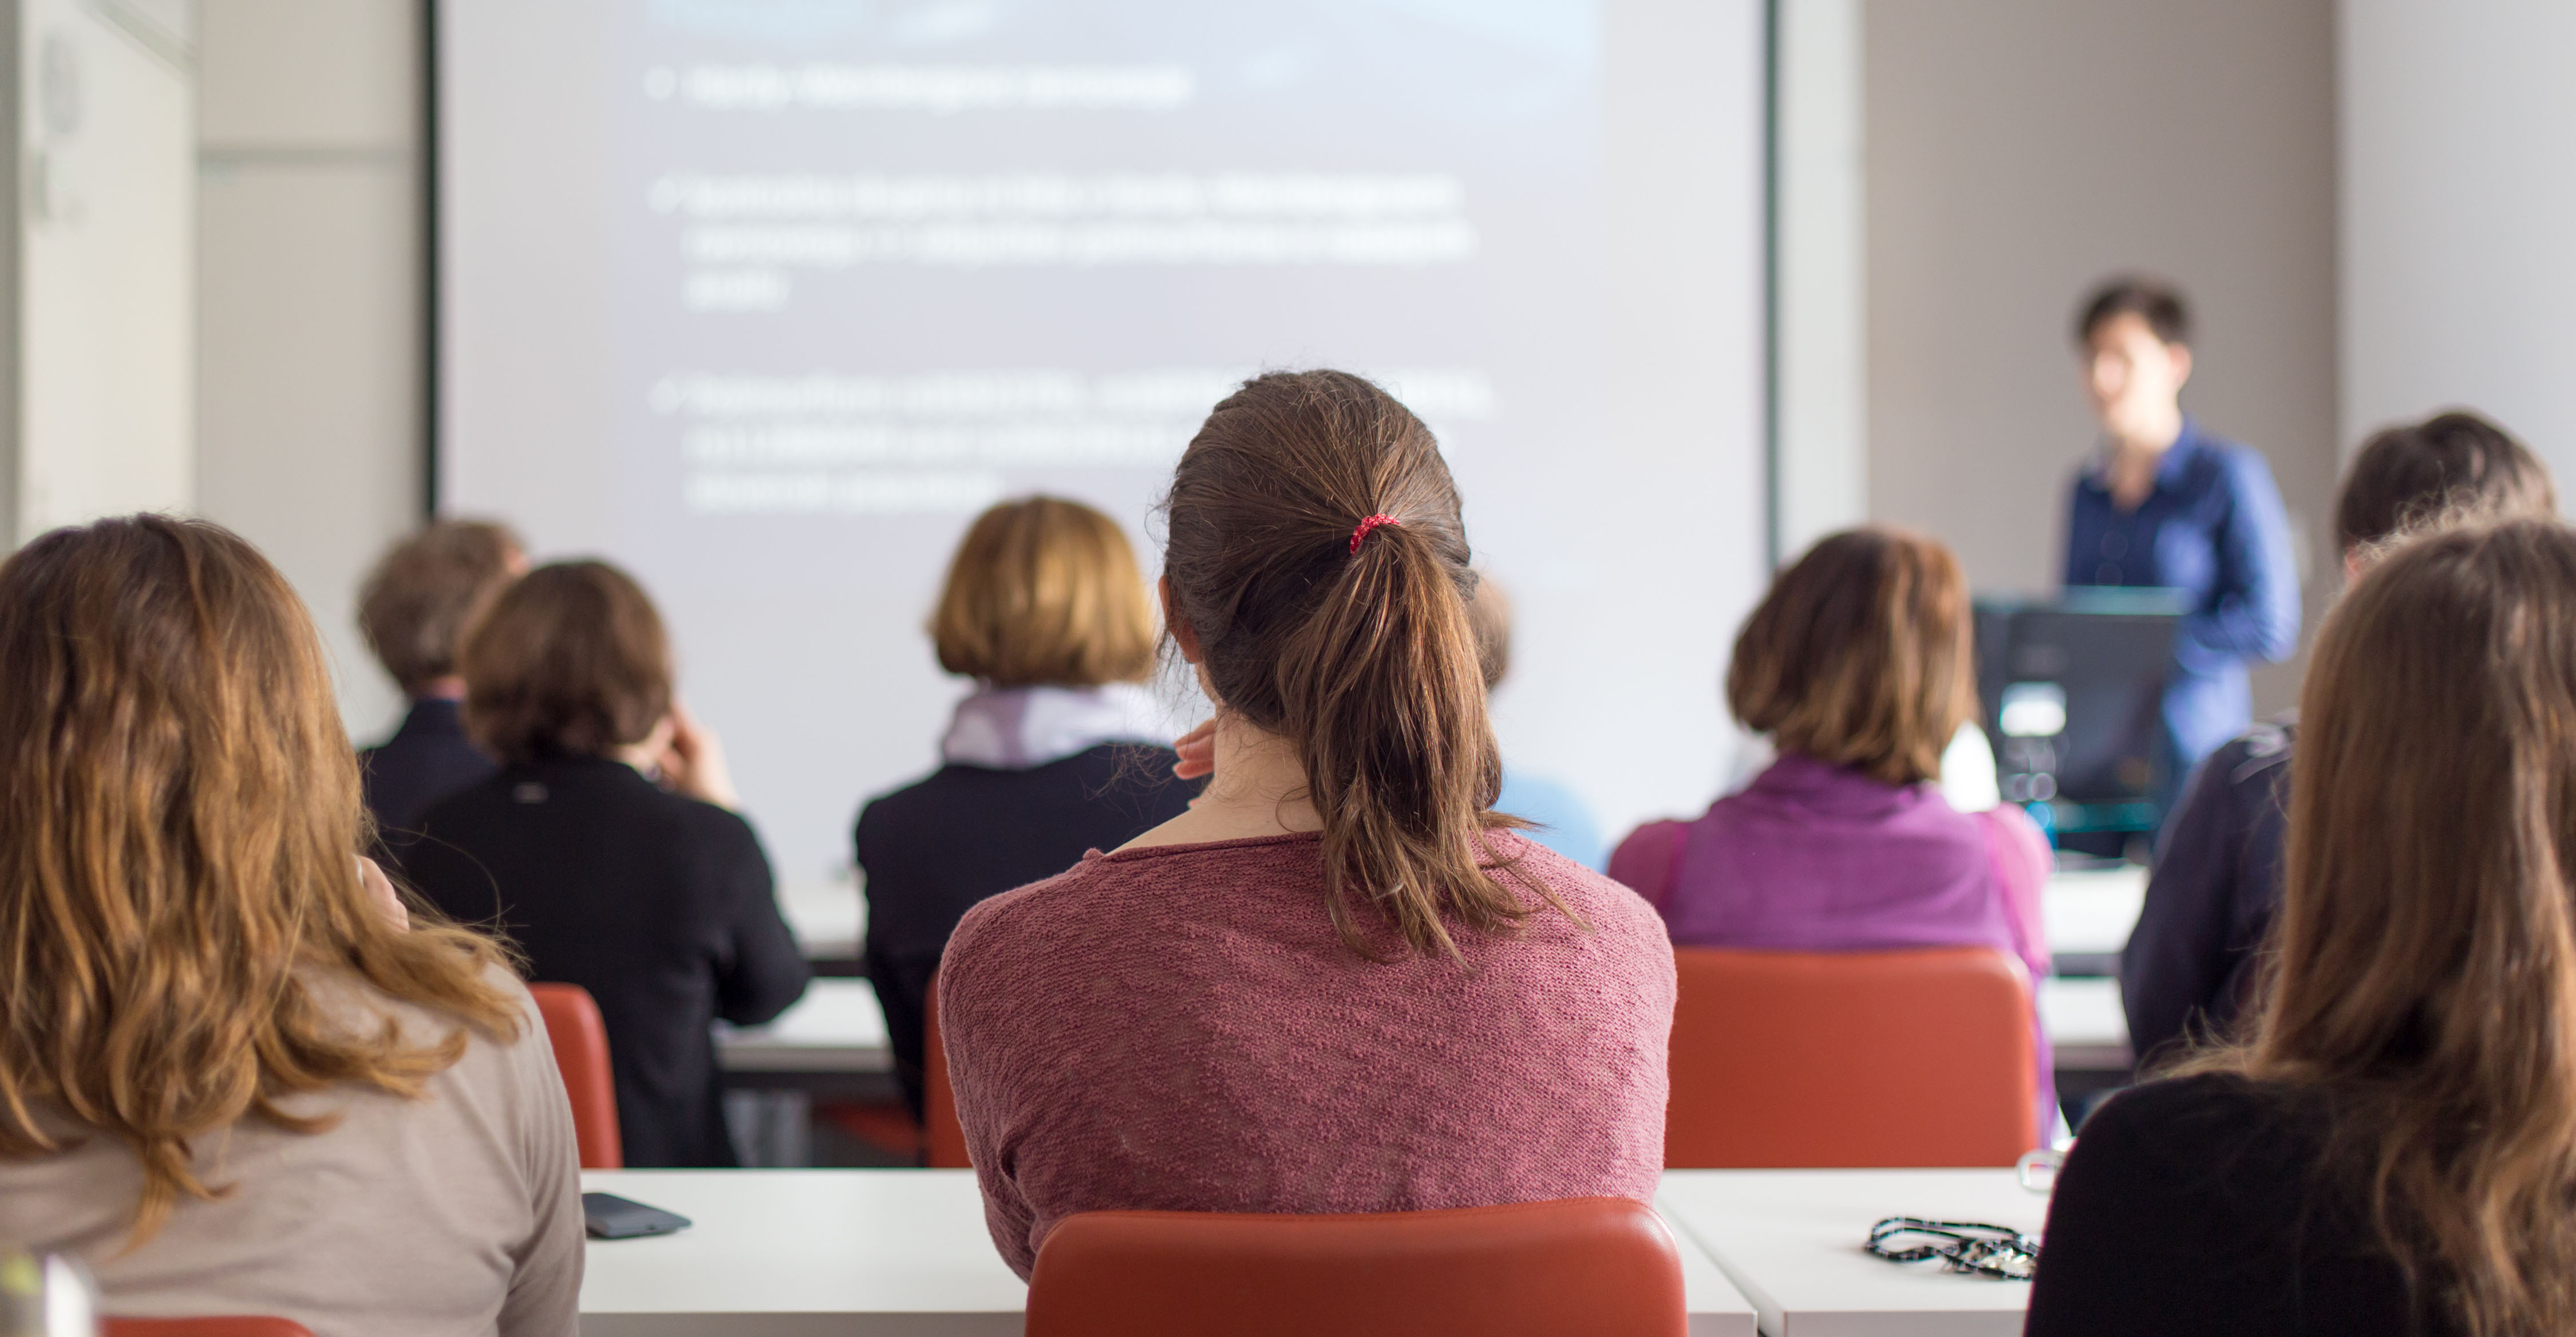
x: 1340, y: 982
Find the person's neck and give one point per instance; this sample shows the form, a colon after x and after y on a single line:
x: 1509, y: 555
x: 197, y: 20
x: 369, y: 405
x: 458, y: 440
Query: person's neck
x: 449, y: 688
x: 1257, y: 789
x: 2136, y: 455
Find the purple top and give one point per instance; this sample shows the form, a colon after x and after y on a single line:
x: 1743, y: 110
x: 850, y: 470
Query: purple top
x: 1818, y: 858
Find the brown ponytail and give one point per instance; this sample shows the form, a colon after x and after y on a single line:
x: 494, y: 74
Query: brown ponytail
x: 1354, y: 647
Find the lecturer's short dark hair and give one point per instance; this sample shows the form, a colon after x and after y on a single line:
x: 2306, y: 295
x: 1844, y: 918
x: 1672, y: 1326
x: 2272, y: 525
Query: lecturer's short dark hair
x: 2453, y: 464
x: 2159, y: 303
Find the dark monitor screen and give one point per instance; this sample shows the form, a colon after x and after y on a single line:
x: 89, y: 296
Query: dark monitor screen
x: 2072, y: 691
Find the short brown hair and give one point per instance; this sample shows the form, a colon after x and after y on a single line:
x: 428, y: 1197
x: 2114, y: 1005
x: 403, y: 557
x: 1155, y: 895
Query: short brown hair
x: 1860, y: 655
x: 571, y: 660
x: 1044, y: 591
x: 2157, y: 302
x: 2451, y: 464
x: 415, y: 604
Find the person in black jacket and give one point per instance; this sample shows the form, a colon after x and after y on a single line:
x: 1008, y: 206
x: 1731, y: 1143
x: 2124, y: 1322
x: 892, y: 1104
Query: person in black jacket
x: 1053, y: 753
x: 2390, y: 1147
x: 413, y: 611
x: 2190, y: 963
x: 607, y: 847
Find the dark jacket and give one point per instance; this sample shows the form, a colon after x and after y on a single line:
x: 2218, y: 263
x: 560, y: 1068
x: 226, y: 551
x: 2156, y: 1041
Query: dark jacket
x: 931, y: 850
x: 659, y: 905
x: 2190, y: 962
x: 426, y: 760
x: 2205, y: 1205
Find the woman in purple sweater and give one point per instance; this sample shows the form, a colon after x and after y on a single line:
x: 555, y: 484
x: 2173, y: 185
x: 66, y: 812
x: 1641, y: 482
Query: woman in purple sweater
x: 1340, y: 982
x: 1859, y: 666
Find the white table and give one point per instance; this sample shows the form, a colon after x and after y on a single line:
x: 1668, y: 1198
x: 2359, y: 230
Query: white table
x: 2089, y: 912
x: 827, y: 915
x: 836, y: 1027
x: 793, y: 1253
x: 2085, y: 1025
x: 1792, y: 1240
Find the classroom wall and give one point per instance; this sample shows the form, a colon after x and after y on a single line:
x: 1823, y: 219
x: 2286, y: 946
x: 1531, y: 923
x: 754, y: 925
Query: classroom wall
x: 310, y: 314
x: 2019, y: 150
x: 2458, y: 272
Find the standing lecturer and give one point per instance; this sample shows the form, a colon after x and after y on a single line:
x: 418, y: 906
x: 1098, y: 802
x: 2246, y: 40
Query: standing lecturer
x: 2163, y: 503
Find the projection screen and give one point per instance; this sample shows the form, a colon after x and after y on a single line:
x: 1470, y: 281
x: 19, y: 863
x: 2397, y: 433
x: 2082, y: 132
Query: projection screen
x: 765, y: 299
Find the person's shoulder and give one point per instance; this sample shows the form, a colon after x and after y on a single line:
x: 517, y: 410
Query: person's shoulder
x: 2249, y: 757
x: 1021, y: 915
x: 2235, y: 462
x: 1609, y: 906
x: 2194, y: 1119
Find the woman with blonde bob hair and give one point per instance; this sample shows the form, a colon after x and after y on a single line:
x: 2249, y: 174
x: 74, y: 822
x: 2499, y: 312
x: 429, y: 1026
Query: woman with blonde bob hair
x: 213, y: 1007
x: 1057, y: 750
x: 2392, y: 1149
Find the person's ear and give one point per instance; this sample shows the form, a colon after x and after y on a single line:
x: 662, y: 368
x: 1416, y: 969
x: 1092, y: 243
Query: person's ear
x: 2181, y: 355
x: 1183, y: 634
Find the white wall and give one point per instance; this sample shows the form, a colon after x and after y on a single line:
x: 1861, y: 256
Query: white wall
x: 103, y: 246
x: 310, y: 299
x: 2458, y: 196
x: 1822, y: 340
x: 2020, y: 150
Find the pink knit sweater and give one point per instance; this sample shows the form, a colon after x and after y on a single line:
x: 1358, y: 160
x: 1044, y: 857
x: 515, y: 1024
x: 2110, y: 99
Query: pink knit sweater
x: 1180, y: 1028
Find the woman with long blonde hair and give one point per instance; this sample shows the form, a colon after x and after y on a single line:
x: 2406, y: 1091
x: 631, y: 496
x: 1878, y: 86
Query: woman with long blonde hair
x: 235, y: 1074
x: 2393, y: 1148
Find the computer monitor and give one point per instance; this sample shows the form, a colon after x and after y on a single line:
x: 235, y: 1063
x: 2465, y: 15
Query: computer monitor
x: 2073, y: 690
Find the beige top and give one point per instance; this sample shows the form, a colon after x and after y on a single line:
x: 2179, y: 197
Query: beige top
x: 456, y: 1214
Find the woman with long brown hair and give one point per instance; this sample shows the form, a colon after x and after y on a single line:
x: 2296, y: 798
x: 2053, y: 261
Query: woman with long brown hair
x: 2393, y: 1148
x: 232, y: 1076
x: 1340, y: 982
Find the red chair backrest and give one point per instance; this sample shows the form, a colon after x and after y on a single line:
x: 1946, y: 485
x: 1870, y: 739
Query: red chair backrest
x: 1599, y: 1267
x: 581, y: 1053
x: 943, y: 1139
x: 1850, y: 1059
x: 202, y: 1327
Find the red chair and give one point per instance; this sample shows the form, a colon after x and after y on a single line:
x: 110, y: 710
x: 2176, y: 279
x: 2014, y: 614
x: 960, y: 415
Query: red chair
x: 1850, y: 1059
x: 580, y: 1039
x: 202, y: 1327
x: 1599, y: 1267
x: 943, y: 1139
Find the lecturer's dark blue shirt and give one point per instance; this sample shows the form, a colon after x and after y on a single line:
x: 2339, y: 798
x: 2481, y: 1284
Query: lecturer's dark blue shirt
x: 2214, y: 528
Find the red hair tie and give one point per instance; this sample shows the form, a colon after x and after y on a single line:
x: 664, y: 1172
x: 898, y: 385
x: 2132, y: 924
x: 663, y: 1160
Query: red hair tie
x: 1366, y: 525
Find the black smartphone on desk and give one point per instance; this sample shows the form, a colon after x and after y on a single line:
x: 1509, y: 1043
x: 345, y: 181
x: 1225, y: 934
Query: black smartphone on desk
x: 610, y: 1217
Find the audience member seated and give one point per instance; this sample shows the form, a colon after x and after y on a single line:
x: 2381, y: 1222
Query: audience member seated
x: 1057, y: 751
x: 655, y: 897
x: 2190, y: 964
x: 413, y: 612
x: 2391, y: 1148
x: 1559, y: 818
x: 1858, y: 664
x: 233, y: 1079
x: 1340, y: 982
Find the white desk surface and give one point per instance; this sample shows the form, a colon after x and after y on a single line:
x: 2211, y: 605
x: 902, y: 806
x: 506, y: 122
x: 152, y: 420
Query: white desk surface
x: 1792, y: 1241
x: 2090, y: 912
x: 828, y: 917
x: 836, y: 1027
x: 793, y: 1253
x: 2084, y: 1022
